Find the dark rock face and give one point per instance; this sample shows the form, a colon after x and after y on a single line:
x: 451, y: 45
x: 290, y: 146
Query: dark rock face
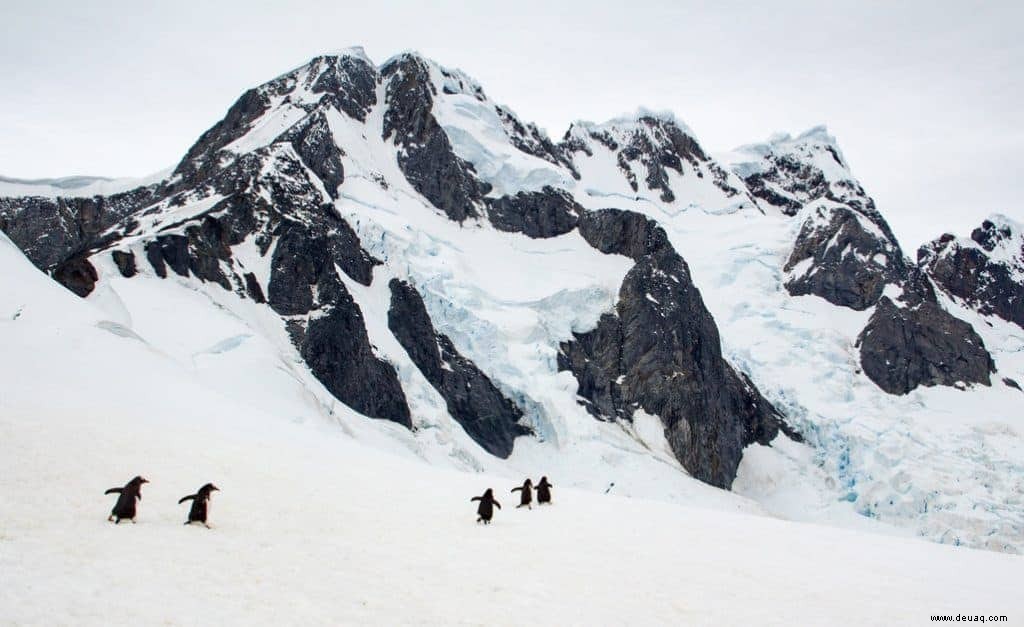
x: 617, y: 232
x: 904, y: 347
x: 988, y: 282
x: 473, y: 400
x: 202, y: 160
x: 547, y: 213
x: 125, y: 262
x: 1008, y: 382
x: 314, y: 143
x: 52, y: 230
x: 850, y: 259
x: 76, y: 274
x: 427, y: 158
x: 349, y: 84
x: 333, y: 343
x: 799, y: 180
x: 660, y: 351
x: 667, y: 149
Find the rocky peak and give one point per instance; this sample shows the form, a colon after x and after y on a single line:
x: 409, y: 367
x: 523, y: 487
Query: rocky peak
x: 985, y: 271
x: 648, y: 146
x: 789, y: 172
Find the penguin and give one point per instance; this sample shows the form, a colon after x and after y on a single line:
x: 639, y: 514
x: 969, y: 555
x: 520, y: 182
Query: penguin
x: 487, y: 504
x: 526, y: 498
x: 544, y: 491
x: 125, y: 506
x: 200, y: 504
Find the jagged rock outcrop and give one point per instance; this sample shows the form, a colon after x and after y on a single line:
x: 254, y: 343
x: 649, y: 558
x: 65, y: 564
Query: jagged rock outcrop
x: 76, y: 274
x: 491, y: 419
x: 843, y: 257
x: 660, y: 351
x: 346, y: 82
x: 655, y: 142
x: 333, y: 340
x: 52, y: 230
x: 788, y: 173
x: 547, y: 213
x: 314, y: 143
x: 427, y: 158
x: 845, y: 251
x: 907, y: 345
x: 985, y: 272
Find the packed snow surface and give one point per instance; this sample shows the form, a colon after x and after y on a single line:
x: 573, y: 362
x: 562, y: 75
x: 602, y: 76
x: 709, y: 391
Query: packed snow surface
x: 314, y: 526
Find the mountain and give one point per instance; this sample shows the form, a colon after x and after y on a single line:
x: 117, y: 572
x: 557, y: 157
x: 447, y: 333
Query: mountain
x: 314, y: 524
x: 621, y: 306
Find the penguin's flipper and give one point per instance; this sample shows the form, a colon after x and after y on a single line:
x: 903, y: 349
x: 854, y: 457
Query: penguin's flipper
x: 497, y: 504
x: 519, y: 489
x: 475, y: 498
x: 114, y: 491
x: 186, y: 498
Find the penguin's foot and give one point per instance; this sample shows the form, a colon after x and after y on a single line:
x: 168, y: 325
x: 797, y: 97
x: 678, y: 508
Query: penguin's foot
x: 110, y: 518
x: 207, y: 526
x: 133, y: 521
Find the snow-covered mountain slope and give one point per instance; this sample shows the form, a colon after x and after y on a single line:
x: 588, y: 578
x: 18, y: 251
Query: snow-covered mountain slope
x: 315, y: 524
x: 621, y: 308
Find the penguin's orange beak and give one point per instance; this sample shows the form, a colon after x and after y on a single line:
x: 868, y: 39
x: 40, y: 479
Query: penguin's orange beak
x: 145, y: 481
x: 215, y: 488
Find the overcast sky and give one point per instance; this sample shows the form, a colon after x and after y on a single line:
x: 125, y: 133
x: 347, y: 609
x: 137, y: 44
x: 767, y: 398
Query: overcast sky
x: 925, y: 99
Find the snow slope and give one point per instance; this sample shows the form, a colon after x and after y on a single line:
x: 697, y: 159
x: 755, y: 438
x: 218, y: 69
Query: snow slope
x: 313, y: 526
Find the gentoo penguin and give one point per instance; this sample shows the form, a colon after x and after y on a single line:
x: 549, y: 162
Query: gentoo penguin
x: 487, y: 505
x: 200, y: 504
x: 125, y: 506
x: 526, y: 498
x: 544, y: 491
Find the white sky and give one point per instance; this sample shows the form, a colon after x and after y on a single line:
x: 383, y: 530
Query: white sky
x: 924, y: 98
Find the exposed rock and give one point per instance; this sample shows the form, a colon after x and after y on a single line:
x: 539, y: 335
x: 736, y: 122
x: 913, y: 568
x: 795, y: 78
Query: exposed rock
x: 660, y: 351
x: 484, y: 412
x: 613, y: 231
x: 253, y: 289
x: 314, y: 143
x: 923, y: 344
x: 547, y: 213
x: 202, y: 159
x: 843, y: 257
x: 531, y: 140
x: 427, y: 158
x: 985, y: 272
x: 788, y: 173
x: 76, y: 274
x: 655, y: 142
x: 333, y: 342
x: 51, y: 230
x: 348, y: 81
x: 125, y: 262
x: 1007, y: 381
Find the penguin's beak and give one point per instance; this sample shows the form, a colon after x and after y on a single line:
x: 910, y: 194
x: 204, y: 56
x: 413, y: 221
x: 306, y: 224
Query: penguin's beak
x: 145, y: 481
x: 215, y: 488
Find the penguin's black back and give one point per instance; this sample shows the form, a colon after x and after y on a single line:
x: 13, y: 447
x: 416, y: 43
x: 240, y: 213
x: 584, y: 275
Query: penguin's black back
x: 544, y: 491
